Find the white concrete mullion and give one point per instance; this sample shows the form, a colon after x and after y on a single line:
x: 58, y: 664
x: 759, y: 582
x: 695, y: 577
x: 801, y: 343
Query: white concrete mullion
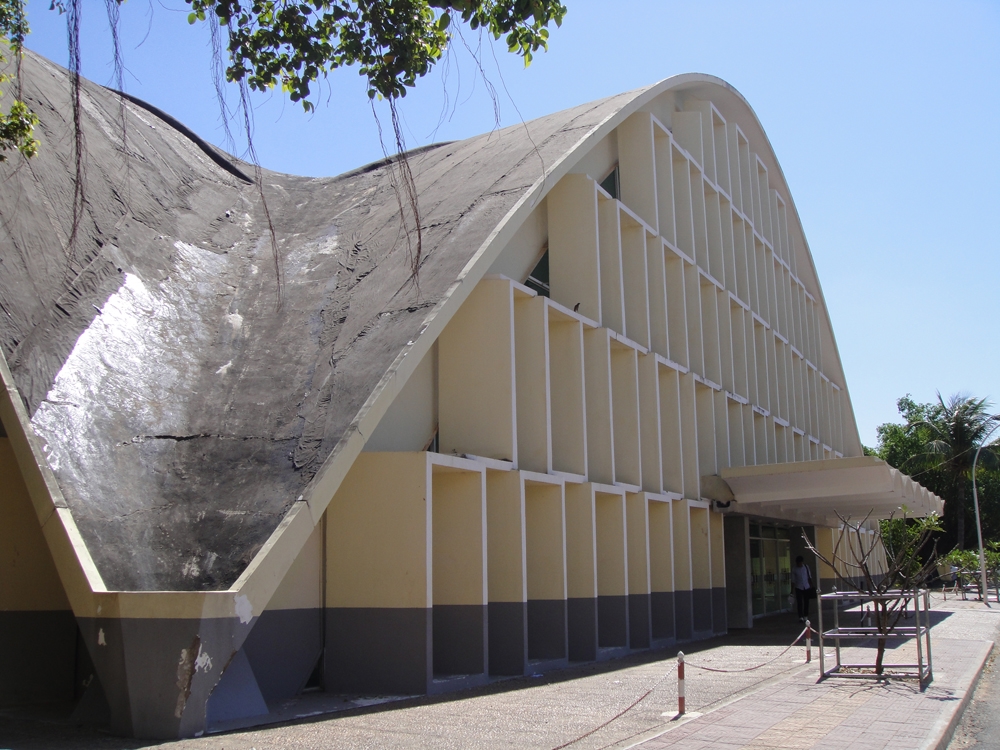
x: 635, y: 278
x: 692, y: 296
x: 743, y: 278
x: 574, y: 256
x: 476, y: 370
x: 775, y: 237
x: 699, y: 215
x: 677, y: 329
x: 733, y: 143
x: 780, y: 441
x: 778, y: 302
x: 681, y: 521
x: 757, y: 288
x: 798, y: 393
x: 661, y: 544
x: 836, y: 416
x: 689, y: 136
x: 799, y: 328
x: 625, y: 410
x: 727, y: 334
x: 683, y: 210
x: 737, y: 434
x: 815, y: 396
x: 649, y: 423
x: 707, y: 136
x: 764, y: 200
x: 713, y: 222
x: 782, y: 386
x: 701, y: 550
x: 664, y: 165
x: 567, y: 393
x: 659, y: 339
x: 637, y: 167
x: 723, y: 436
x: 754, y: 450
x: 746, y: 175
x: 817, y: 333
x: 710, y: 331
x: 612, y: 286
x: 637, y: 537
x: 689, y: 434
x: 757, y: 426
x: 705, y: 411
x: 671, y: 436
x: 744, y: 364
x: 758, y: 371
x: 534, y: 409
x: 772, y: 283
x: 722, y: 169
x: 728, y: 250
x: 597, y: 383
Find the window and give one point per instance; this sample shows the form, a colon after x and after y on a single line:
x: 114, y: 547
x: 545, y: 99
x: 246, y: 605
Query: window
x: 538, y: 279
x: 610, y: 183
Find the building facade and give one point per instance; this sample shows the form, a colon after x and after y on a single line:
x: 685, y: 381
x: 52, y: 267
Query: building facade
x: 600, y: 416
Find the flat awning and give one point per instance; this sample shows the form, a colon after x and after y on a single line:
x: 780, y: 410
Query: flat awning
x: 813, y: 492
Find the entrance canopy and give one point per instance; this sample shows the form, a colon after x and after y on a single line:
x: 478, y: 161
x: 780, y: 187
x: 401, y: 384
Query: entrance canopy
x: 814, y: 492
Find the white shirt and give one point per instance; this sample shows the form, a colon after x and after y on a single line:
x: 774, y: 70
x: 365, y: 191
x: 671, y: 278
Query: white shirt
x: 801, y: 578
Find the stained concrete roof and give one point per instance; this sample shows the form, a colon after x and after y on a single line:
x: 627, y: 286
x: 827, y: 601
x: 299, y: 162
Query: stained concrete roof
x: 183, y: 411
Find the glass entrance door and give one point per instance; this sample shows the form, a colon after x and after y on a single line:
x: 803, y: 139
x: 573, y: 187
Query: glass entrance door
x: 770, y: 569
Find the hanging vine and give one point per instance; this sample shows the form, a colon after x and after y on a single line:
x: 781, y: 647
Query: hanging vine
x: 292, y: 44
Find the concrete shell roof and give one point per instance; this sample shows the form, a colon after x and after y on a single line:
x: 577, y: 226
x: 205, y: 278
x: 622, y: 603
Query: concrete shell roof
x: 182, y: 412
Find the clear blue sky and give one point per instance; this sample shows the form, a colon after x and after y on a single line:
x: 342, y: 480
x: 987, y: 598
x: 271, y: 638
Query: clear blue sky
x: 885, y: 118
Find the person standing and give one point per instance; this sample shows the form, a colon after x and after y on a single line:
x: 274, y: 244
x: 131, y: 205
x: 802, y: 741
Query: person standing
x: 804, y: 591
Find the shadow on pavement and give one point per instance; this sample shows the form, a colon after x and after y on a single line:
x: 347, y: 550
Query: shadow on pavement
x: 50, y: 728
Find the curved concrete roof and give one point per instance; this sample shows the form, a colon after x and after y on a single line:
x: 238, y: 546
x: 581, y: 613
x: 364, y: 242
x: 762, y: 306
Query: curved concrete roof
x: 182, y: 412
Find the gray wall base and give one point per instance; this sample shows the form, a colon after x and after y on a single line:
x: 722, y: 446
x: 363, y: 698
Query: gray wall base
x: 378, y: 651
x: 612, y: 621
x: 508, y: 638
x: 546, y: 629
x: 282, y: 650
x: 158, y: 674
x: 719, y: 619
x: 638, y: 621
x: 701, y: 601
x: 661, y: 605
x: 581, y: 615
x: 459, y: 639
x: 236, y: 698
x: 683, y: 615
x: 37, y: 661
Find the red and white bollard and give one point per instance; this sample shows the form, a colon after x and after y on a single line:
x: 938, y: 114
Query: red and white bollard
x: 680, y: 683
x: 809, y: 642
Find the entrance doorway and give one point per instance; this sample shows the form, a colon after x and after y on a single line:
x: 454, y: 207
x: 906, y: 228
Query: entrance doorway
x: 770, y: 568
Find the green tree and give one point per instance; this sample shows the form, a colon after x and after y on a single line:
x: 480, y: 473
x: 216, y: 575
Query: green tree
x: 393, y: 42
x: 936, y: 446
x: 292, y: 43
x: 17, y: 124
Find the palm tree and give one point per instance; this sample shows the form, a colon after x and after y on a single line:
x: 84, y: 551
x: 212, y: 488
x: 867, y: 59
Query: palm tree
x: 952, y: 432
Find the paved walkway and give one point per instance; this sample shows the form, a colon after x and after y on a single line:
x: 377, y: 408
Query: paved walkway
x: 780, y: 705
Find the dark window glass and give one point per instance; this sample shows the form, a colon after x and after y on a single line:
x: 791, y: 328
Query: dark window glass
x: 538, y: 279
x: 610, y: 183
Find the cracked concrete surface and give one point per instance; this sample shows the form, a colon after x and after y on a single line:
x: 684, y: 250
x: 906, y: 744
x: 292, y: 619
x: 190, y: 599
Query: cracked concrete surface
x: 162, y: 318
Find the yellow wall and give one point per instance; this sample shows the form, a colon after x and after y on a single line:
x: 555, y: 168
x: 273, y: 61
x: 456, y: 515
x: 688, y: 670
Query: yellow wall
x: 28, y: 577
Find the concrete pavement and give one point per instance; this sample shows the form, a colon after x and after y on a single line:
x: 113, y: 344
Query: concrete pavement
x: 779, y: 705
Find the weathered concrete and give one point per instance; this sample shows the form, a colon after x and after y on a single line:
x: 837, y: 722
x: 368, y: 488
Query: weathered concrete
x: 182, y: 414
